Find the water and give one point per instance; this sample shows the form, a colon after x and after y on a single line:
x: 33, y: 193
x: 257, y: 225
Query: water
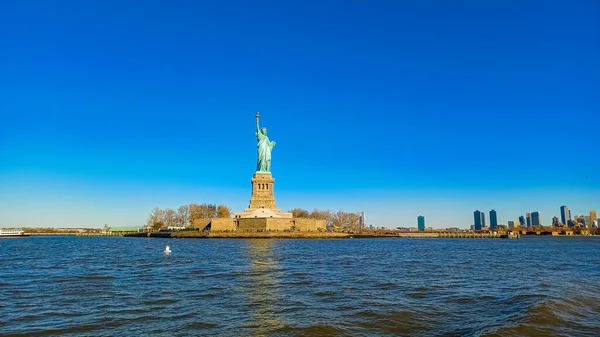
x: 112, y: 286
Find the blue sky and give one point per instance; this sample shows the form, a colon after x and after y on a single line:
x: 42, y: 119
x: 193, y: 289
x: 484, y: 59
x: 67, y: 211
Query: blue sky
x: 397, y: 108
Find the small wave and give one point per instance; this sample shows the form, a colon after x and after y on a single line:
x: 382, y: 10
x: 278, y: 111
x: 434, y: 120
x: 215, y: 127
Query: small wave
x: 297, y: 283
x: 127, y: 311
x: 325, y: 293
x: 524, y: 297
x: 95, y: 277
x: 417, y: 295
x: 390, y: 285
x: 570, y: 316
x: 366, y: 314
x: 298, y: 274
x: 160, y: 301
x: 200, y: 325
x: 84, y: 328
x: 313, y: 330
x: 400, y: 322
x: 28, y: 318
x: 180, y: 316
x: 466, y: 300
x: 216, y: 288
x: 346, y: 307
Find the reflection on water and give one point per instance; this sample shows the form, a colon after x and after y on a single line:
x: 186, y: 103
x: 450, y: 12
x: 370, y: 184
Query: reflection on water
x: 69, y: 286
x: 262, y: 286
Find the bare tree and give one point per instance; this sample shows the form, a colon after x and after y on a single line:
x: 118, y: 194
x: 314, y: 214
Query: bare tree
x: 183, y: 215
x: 169, y: 217
x: 223, y: 211
x: 155, y: 219
x: 299, y: 213
x: 326, y: 215
x: 202, y: 211
x: 346, y: 221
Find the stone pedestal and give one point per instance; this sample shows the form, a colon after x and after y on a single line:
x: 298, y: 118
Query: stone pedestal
x: 262, y: 201
x: 262, y: 191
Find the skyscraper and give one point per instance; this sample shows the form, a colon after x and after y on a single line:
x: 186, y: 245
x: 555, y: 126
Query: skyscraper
x: 565, y: 215
x: 593, y: 216
x: 528, y: 216
x: 521, y: 221
x: 421, y: 223
x: 482, y: 219
x: 493, y: 219
x: 479, y: 220
x: 536, y: 219
x: 511, y: 224
x: 363, y: 220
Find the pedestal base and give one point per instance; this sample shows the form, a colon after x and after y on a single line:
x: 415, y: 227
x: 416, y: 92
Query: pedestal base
x: 262, y: 191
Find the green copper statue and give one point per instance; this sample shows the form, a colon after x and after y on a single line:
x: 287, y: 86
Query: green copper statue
x: 263, y: 164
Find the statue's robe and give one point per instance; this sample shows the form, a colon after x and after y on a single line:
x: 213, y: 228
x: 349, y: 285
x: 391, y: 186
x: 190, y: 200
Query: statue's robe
x: 264, y: 153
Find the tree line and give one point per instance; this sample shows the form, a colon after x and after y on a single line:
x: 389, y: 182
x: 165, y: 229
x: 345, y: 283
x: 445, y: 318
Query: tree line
x: 185, y: 215
x: 335, y: 221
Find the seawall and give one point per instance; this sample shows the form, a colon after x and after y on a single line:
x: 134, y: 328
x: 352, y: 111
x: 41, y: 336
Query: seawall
x: 312, y: 235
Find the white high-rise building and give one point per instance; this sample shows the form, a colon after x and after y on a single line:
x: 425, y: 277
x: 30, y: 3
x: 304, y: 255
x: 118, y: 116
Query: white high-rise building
x: 363, y: 221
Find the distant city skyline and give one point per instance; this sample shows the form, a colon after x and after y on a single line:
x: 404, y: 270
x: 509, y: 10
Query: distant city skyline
x: 535, y: 219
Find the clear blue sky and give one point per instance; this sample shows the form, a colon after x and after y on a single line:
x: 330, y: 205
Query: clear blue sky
x: 397, y: 108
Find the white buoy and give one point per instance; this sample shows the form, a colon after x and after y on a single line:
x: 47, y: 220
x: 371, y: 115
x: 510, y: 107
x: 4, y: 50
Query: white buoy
x: 167, y: 250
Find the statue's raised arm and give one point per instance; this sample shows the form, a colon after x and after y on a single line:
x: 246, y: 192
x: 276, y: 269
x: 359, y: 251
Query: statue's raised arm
x: 257, y: 126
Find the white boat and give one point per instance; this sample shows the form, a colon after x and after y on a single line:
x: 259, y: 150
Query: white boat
x: 12, y: 233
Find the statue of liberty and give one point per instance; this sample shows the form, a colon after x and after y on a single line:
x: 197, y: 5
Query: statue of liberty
x: 263, y: 164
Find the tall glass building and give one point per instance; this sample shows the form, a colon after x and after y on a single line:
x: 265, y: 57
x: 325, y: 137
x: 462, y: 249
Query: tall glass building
x: 421, y: 223
x: 493, y: 219
x: 536, y: 219
x: 479, y: 220
x: 565, y: 215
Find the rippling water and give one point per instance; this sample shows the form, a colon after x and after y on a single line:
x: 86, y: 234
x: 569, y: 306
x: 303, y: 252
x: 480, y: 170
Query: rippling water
x: 355, y: 287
